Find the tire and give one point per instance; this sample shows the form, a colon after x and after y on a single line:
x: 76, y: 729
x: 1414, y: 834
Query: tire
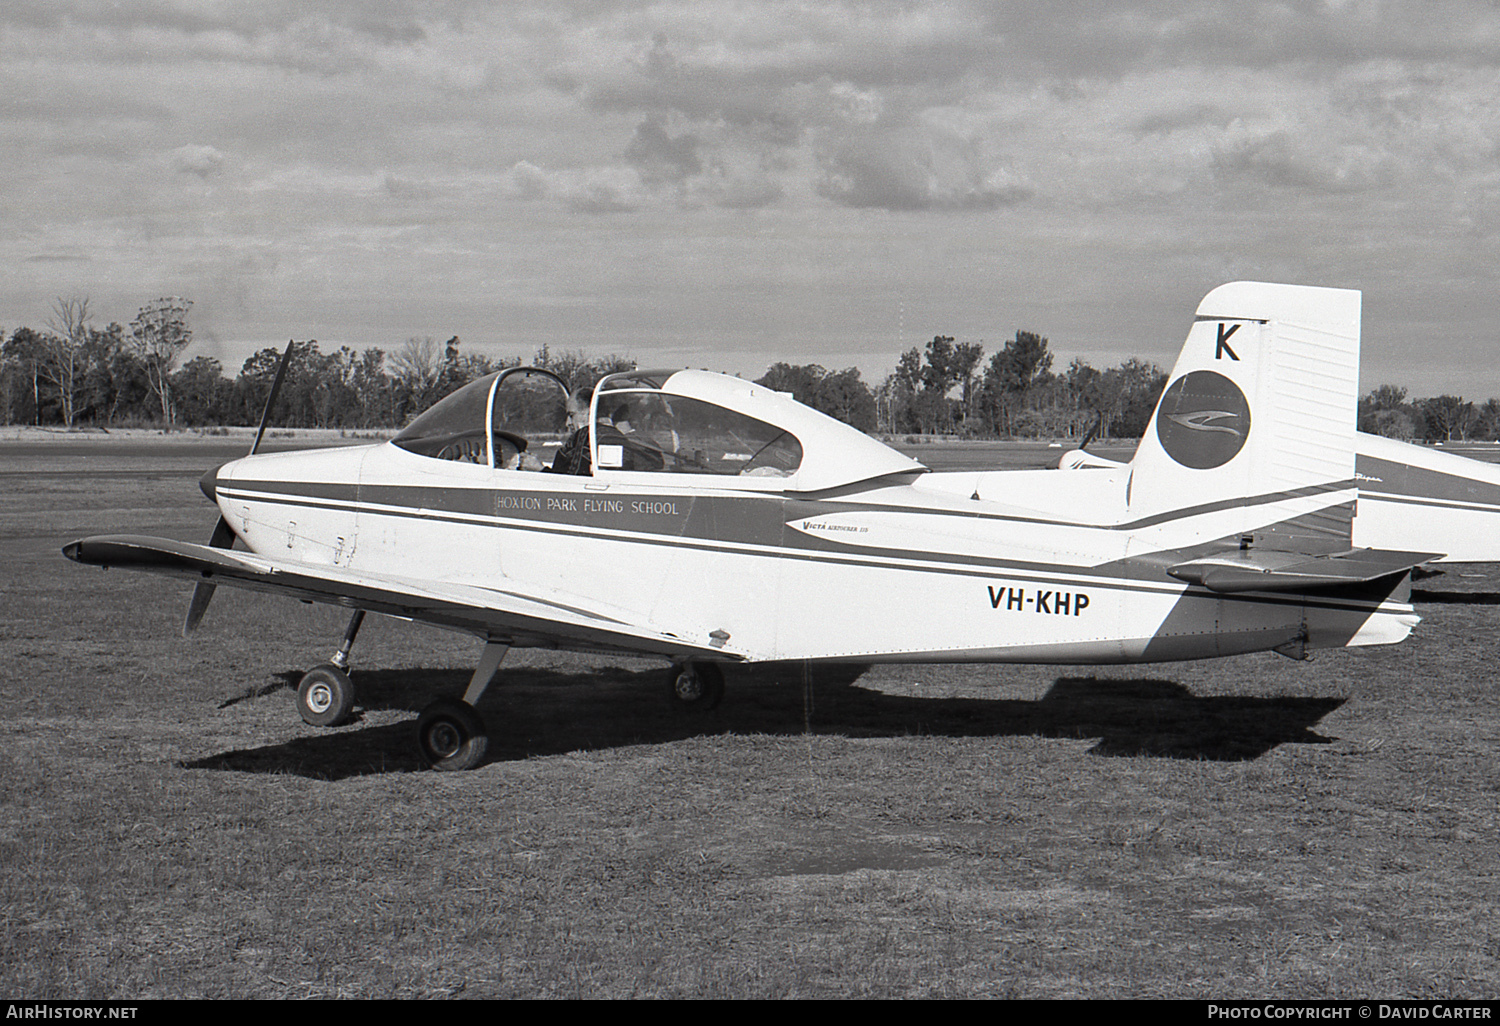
x: 697, y: 685
x: 326, y: 696
x: 451, y: 735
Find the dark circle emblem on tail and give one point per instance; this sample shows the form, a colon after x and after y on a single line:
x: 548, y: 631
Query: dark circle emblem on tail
x: 1203, y: 420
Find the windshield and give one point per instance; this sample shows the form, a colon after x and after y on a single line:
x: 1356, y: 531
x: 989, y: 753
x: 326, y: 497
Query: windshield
x: 454, y: 428
x: 470, y: 426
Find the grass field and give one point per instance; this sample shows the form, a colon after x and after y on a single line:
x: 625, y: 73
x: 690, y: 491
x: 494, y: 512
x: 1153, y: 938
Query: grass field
x: 1250, y: 827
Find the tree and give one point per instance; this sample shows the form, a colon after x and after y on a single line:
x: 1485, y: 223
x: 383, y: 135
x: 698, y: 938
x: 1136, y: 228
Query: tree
x: 160, y: 333
x: 800, y: 382
x: 115, y: 379
x: 1095, y: 396
x: 1448, y: 415
x: 966, y: 357
x: 923, y: 381
x: 63, y: 352
x: 1140, y: 386
x: 417, y: 367
x: 896, y: 397
x: 572, y: 365
x: 1487, y: 421
x: 26, y: 349
x: 199, y: 392
x: 937, y: 368
x: 842, y: 395
x: 374, y: 389
x: 1385, y: 411
x: 1013, y: 373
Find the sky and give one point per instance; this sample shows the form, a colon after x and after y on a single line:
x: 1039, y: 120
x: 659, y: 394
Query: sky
x: 727, y: 184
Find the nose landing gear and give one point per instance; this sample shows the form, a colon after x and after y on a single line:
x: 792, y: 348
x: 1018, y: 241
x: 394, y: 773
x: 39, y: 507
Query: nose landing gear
x: 325, y: 695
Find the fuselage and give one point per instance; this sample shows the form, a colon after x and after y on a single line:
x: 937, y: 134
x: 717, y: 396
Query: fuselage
x: 1008, y: 566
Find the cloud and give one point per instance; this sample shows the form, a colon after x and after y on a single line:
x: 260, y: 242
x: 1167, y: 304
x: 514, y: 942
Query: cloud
x: 736, y: 193
x: 405, y: 189
x: 605, y: 189
x: 1283, y: 161
x: 911, y: 170
x: 717, y: 148
x: 661, y: 158
x: 527, y: 181
x: 200, y: 160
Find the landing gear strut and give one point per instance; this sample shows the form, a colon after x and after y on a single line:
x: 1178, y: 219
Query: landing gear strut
x: 697, y: 685
x: 450, y: 732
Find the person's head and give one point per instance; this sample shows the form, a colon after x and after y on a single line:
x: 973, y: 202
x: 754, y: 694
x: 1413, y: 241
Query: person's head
x: 578, y: 406
x: 621, y: 419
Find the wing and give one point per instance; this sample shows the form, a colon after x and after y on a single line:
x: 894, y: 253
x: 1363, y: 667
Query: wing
x: 524, y: 617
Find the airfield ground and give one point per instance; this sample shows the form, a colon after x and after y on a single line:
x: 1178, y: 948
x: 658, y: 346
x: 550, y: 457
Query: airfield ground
x: 1251, y: 827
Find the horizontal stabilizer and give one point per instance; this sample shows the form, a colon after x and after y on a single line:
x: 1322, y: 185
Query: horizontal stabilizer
x: 1293, y: 571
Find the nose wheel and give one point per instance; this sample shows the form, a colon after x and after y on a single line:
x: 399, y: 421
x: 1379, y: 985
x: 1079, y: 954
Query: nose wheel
x: 325, y: 696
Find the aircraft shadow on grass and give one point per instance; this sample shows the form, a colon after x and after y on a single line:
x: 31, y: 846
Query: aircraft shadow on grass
x: 538, y: 712
x: 1422, y: 596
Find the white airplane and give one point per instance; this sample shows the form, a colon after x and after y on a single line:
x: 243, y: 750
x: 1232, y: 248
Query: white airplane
x: 716, y: 521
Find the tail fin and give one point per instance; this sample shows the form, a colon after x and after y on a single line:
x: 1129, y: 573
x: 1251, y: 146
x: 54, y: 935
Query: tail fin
x: 1261, y: 405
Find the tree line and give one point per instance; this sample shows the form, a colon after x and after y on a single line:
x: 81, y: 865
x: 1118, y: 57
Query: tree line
x: 1444, y: 418
x: 947, y: 388
x: 72, y: 372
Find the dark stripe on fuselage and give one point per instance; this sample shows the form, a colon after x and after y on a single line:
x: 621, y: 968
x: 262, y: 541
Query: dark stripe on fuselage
x: 747, y: 525
x: 1400, y: 482
x: 594, y: 508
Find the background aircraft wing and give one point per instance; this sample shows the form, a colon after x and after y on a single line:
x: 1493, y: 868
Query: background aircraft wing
x: 526, y: 617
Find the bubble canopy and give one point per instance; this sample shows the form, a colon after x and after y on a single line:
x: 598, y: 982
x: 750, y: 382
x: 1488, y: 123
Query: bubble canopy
x: 661, y: 422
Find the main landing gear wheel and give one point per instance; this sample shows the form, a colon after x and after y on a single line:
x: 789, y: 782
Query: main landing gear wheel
x: 326, y: 696
x: 697, y: 685
x: 452, y: 735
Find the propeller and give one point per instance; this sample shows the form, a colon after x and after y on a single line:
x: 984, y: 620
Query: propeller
x: 1093, y: 431
x: 223, y: 536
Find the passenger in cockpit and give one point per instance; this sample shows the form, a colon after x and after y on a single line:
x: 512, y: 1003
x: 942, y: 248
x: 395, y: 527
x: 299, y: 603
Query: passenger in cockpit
x: 636, y: 450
